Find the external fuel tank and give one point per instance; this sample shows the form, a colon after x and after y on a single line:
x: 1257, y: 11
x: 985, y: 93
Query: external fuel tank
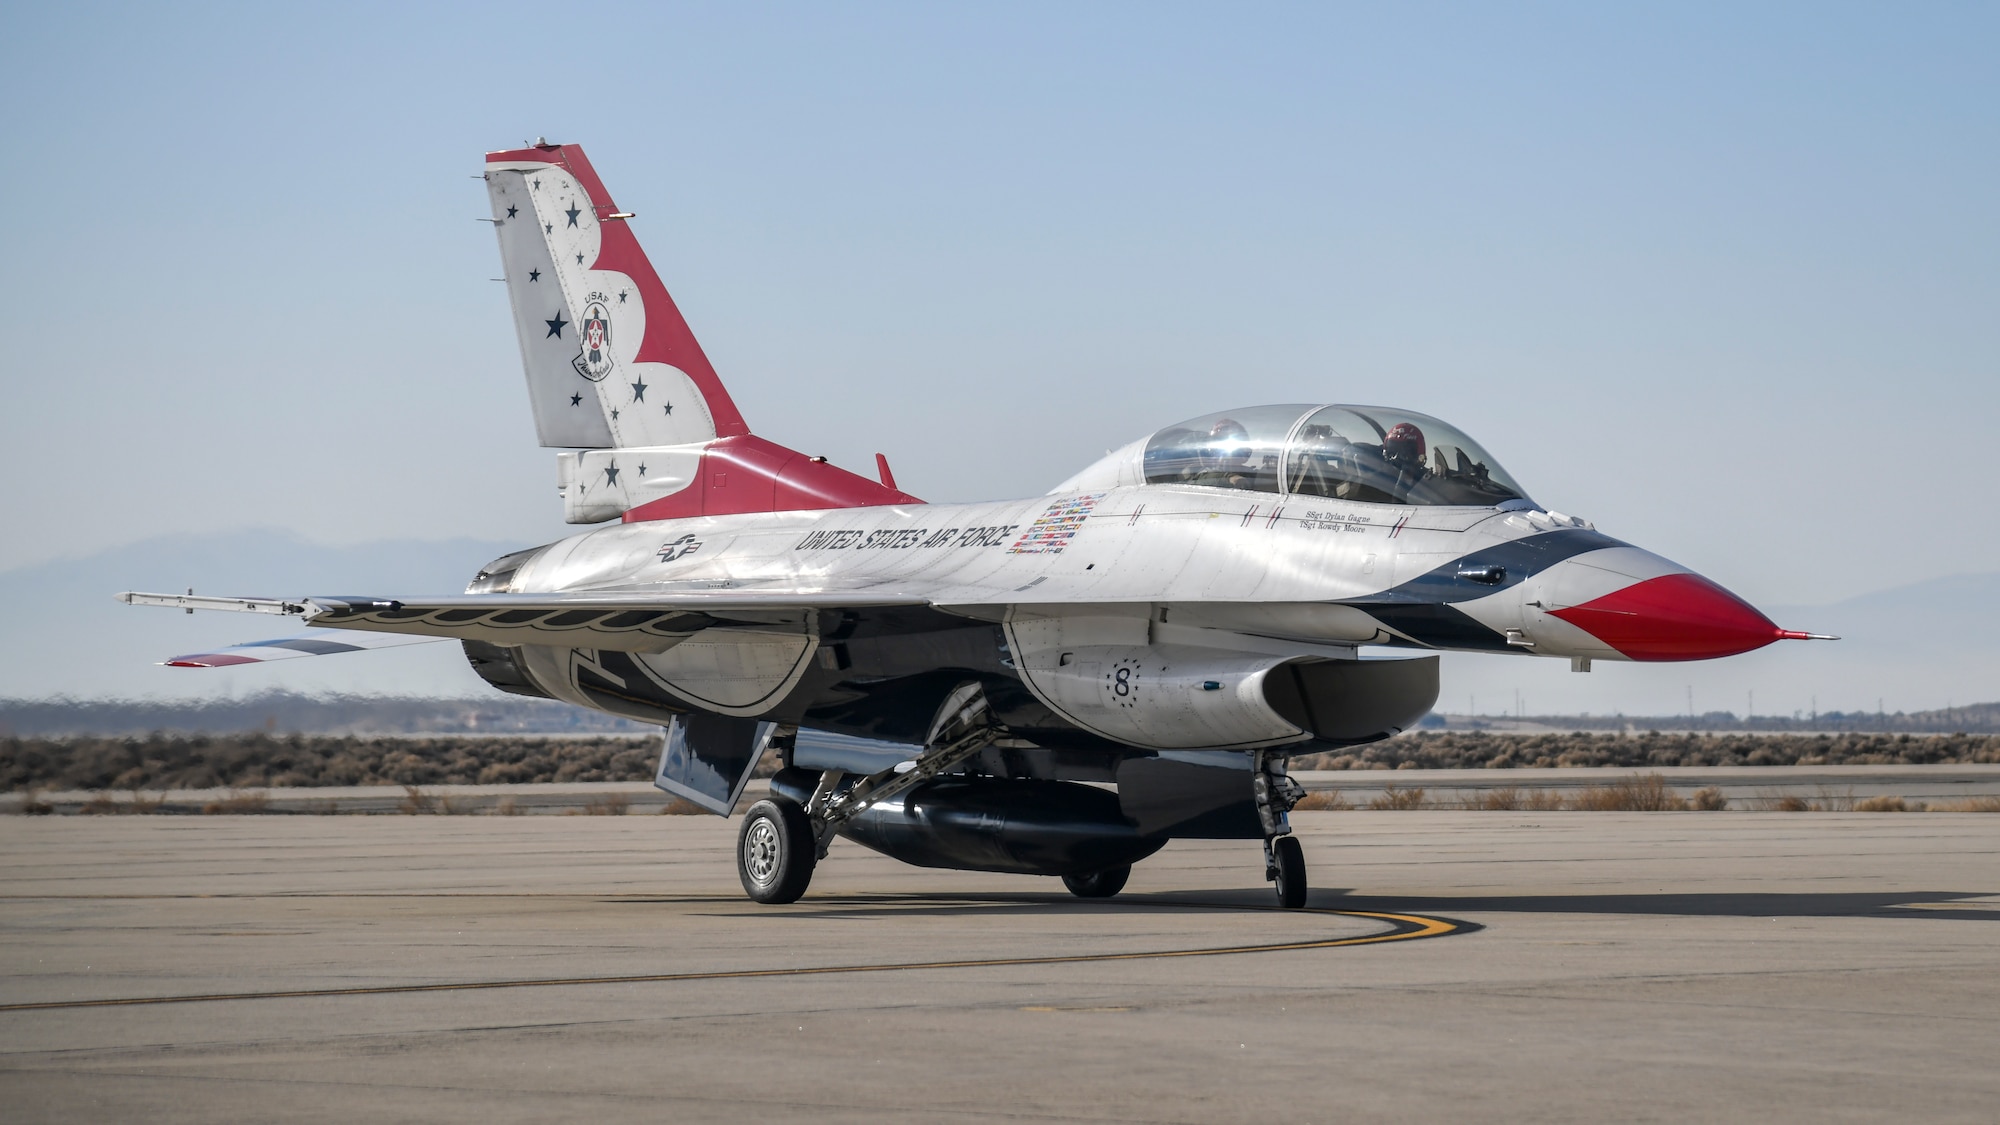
x: 1018, y: 825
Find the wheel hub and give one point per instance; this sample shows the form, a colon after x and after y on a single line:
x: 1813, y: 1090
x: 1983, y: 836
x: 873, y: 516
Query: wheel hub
x: 760, y: 852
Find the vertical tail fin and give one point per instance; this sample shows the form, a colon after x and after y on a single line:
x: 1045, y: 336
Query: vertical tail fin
x: 610, y: 362
x: 614, y: 372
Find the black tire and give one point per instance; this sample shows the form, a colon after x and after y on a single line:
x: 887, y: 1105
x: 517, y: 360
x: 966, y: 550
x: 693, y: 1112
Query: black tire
x: 774, y: 851
x: 1098, y: 884
x: 1291, y: 871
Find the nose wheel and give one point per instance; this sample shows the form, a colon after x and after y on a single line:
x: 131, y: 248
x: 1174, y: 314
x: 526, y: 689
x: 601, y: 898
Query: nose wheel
x: 1285, y: 866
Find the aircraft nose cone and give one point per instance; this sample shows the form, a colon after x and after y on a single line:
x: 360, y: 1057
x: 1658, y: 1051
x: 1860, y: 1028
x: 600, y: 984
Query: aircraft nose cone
x: 1673, y: 617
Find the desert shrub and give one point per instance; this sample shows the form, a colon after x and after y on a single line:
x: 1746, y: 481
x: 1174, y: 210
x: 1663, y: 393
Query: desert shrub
x: 101, y: 804
x: 237, y: 802
x: 255, y: 760
x: 1969, y: 804
x: 1645, y: 793
x: 1324, y: 800
x: 1398, y: 798
x: 1881, y: 804
x: 1580, y: 749
x: 607, y: 804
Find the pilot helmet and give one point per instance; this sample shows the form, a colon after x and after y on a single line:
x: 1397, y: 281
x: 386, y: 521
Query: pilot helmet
x: 1228, y: 444
x: 1403, y: 445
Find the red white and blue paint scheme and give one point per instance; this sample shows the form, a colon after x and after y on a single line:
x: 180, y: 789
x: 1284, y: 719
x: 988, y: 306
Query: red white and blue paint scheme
x: 940, y: 681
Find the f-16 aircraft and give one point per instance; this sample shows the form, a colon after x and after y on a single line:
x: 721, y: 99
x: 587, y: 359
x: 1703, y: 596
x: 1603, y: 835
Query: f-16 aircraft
x: 1056, y: 685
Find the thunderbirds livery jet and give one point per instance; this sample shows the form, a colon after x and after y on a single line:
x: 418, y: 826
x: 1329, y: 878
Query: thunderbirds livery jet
x: 941, y: 682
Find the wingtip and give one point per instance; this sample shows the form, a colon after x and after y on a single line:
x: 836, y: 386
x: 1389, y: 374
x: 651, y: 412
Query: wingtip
x: 1799, y: 635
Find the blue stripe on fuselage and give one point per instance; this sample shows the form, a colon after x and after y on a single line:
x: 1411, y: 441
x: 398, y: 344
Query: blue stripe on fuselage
x: 1421, y: 608
x: 1521, y: 558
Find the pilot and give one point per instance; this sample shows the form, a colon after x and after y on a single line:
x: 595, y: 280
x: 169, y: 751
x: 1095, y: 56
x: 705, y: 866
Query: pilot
x: 1403, y: 448
x: 1226, y: 459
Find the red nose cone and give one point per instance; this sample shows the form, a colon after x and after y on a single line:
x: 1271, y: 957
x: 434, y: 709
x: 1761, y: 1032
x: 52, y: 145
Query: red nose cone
x: 1673, y: 617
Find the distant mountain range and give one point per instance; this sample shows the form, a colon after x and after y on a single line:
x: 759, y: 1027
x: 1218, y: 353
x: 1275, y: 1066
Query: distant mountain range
x: 1913, y: 648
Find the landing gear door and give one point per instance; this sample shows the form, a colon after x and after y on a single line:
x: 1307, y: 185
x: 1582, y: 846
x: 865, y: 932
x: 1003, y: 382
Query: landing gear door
x: 708, y: 758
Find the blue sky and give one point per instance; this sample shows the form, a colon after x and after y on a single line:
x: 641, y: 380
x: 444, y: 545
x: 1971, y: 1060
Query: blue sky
x: 1722, y: 278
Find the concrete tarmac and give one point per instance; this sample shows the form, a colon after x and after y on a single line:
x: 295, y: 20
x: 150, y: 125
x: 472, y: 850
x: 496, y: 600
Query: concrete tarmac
x: 1530, y: 967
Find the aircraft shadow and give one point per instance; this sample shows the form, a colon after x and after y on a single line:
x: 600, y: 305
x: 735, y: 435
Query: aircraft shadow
x: 1836, y: 904
x: 1852, y: 904
x: 946, y: 905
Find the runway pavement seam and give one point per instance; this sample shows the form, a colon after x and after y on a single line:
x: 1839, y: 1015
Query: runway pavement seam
x: 930, y: 1111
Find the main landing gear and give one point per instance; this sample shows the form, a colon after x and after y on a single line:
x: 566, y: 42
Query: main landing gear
x: 781, y: 841
x: 775, y: 855
x: 1284, y: 860
x: 1099, y: 884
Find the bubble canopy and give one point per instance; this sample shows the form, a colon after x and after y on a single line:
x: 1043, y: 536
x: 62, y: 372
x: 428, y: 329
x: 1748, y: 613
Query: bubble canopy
x: 1366, y: 454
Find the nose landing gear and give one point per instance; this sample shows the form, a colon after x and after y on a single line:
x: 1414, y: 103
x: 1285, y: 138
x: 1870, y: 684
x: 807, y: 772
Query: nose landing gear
x: 1284, y: 860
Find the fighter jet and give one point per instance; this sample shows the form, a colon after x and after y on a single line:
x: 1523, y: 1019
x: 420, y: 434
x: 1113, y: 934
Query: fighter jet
x: 1055, y: 685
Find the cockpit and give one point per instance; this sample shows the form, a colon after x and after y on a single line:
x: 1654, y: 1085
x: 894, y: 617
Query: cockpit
x: 1366, y: 454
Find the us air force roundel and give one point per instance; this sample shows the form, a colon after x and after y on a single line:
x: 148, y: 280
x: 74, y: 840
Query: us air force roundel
x: 593, y: 356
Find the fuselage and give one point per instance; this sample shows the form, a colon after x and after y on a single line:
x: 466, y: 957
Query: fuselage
x: 1079, y: 609
x: 1309, y: 570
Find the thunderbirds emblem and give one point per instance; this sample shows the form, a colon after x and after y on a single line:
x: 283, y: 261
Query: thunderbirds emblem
x: 679, y: 549
x: 593, y: 355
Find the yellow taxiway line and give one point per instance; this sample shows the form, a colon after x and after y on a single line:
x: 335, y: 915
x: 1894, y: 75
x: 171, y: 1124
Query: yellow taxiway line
x: 1403, y: 927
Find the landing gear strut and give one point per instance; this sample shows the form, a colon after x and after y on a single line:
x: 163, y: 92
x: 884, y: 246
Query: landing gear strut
x: 1284, y: 860
x: 782, y: 841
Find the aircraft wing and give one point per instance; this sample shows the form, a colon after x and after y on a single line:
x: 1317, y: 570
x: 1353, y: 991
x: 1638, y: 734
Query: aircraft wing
x: 626, y: 620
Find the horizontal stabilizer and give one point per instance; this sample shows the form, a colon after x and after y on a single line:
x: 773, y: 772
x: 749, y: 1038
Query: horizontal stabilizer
x: 290, y: 648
